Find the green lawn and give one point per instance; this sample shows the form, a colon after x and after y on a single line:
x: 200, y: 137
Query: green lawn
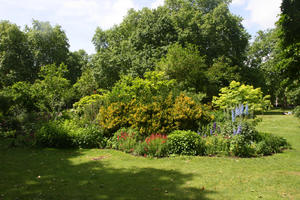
x: 107, y: 174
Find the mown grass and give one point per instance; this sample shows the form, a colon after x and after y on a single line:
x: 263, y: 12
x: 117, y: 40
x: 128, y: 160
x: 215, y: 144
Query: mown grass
x: 108, y: 174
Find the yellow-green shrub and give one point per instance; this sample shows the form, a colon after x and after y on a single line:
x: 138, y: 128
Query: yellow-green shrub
x: 160, y: 116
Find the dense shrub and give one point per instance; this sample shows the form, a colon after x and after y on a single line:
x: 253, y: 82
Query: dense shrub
x: 84, y: 137
x: 217, y: 145
x: 237, y: 93
x: 156, y: 145
x: 87, y: 108
x: 53, y: 134
x: 241, y: 147
x: 128, y: 140
x: 296, y: 112
x: 114, y: 117
x: 65, y: 134
x: 160, y: 116
x: 185, y: 143
x: 154, y: 117
x: 274, y: 143
x: 125, y: 140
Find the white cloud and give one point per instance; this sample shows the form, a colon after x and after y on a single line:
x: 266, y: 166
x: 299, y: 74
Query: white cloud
x: 79, y: 18
x: 258, y: 13
x: 157, y: 3
x: 263, y: 12
x: 238, y: 2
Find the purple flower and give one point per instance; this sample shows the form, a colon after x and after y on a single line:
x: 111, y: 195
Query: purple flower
x: 237, y: 111
x: 242, y: 109
x: 198, y: 133
x: 211, y: 131
x: 234, y: 131
x: 214, y: 126
x: 232, y: 115
x: 239, y: 130
x: 246, y: 109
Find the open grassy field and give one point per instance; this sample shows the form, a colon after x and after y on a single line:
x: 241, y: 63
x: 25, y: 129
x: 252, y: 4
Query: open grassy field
x: 107, y: 174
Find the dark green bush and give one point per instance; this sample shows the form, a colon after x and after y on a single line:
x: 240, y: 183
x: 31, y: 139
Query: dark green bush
x: 262, y: 148
x: 53, y: 134
x: 65, y: 134
x: 296, y: 112
x: 185, y: 143
x: 275, y: 143
x: 217, y: 145
x: 241, y: 147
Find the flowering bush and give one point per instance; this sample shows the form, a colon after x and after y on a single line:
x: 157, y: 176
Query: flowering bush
x: 156, y: 145
x: 125, y: 140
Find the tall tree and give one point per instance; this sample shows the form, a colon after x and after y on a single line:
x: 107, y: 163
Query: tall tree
x: 144, y: 37
x: 289, y: 66
x: 15, y: 57
x: 48, y: 44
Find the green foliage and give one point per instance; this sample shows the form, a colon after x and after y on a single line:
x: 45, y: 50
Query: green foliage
x: 272, y: 143
x: 66, y: 134
x: 289, y: 41
x: 16, y: 62
x: 186, y: 66
x: 87, y: 108
x: 296, y: 111
x: 237, y: 94
x: 141, y: 89
x: 241, y: 147
x: 90, y: 136
x: 86, y: 84
x: 217, y: 145
x: 77, y: 62
x: 52, y: 92
x: 144, y: 37
x: 188, y: 115
x: 49, y: 45
x: 160, y: 116
x: 53, y: 134
x: 125, y: 140
x: 114, y: 117
x: 185, y: 143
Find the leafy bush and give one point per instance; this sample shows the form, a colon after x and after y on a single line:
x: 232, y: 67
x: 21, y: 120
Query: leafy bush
x: 241, y: 147
x: 125, y: 140
x: 114, y: 117
x: 87, y: 108
x: 160, y: 116
x: 90, y: 136
x: 65, y: 134
x: 237, y: 94
x: 53, y: 134
x: 297, y: 112
x: 185, y: 143
x: 154, y: 117
x: 155, y: 145
x: 274, y: 143
x: 217, y: 145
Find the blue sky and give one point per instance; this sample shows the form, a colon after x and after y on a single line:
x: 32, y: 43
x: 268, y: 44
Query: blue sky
x: 79, y: 18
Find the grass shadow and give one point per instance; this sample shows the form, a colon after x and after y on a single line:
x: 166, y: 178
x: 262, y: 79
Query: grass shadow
x: 52, y: 174
x: 279, y: 112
